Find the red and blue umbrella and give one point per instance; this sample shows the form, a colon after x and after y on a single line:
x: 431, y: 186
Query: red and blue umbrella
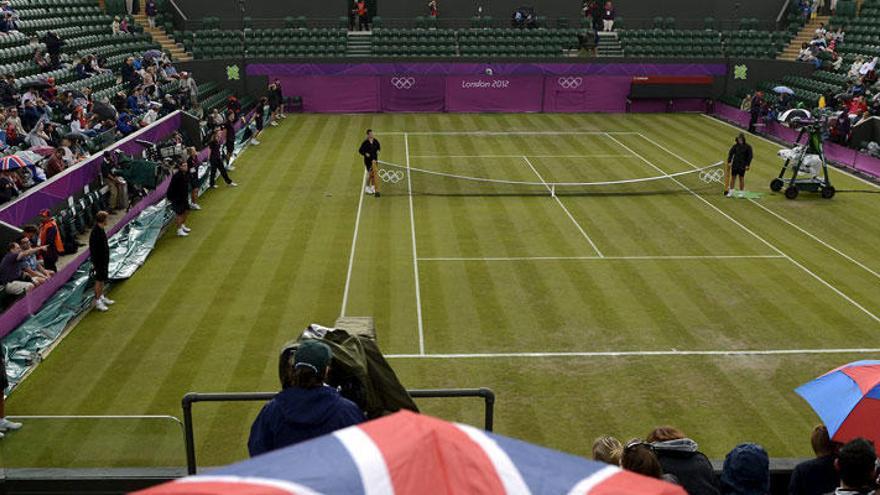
x: 408, y: 453
x: 14, y: 162
x: 847, y: 400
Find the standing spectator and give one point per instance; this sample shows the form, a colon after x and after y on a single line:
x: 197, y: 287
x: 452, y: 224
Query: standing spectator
x: 608, y: 450
x: 352, y: 15
x: 856, y: 463
x: 188, y: 84
x: 216, y: 161
x: 608, y: 15
x: 638, y: 457
x: 178, y: 196
x: 192, y: 168
x: 306, y: 410
x: 363, y: 20
x: 746, y: 471
x: 816, y: 476
x: 229, y: 132
x: 756, y: 110
x: 11, y: 274
x: 5, y: 423
x: 99, y: 251
x: 118, y: 187
x: 151, y: 9
x: 53, y: 47
x: 50, y: 238
x: 433, y: 11
x: 232, y: 105
x: 678, y: 455
x: 114, y: 26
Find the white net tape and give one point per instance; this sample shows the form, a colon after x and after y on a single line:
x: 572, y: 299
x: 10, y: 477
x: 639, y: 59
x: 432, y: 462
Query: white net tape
x: 709, y: 173
x: 390, y: 176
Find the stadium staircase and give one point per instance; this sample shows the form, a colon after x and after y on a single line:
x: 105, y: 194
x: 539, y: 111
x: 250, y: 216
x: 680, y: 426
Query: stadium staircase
x: 805, y: 35
x: 161, y: 37
x: 609, y: 45
x: 359, y: 44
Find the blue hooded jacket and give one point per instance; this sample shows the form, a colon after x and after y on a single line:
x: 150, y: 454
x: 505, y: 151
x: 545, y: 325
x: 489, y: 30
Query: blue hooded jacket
x: 298, y: 414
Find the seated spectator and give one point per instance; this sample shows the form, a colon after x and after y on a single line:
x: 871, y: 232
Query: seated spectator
x: 864, y: 117
x: 40, y: 59
x: 306, y: 410
x: 840, y: 130
x: 151, y: 116
x: 37, y: 138
x: 746, y: 471
x: 7, y: 23
x: 11, y: 276
x: 30, y: 266
x: 117, y: 186
x: 856, y: 464
x: 806, y: 53
x: 114, y: 26
x: 123, y: 26
x: 680, y: 457
x: 8, y: 187
x: 15, y: 132
x: 129, y: 73
x: 820, y: 31
x: 30, y: 116
x: 8, y: 91
x: 856, y: 107
x: 55, y: 165
x: 816, y: 476
x: 81, y: 69
x: 639, y: 457
x: 853, y: 72
x: 134, y: 101
x: 123, y: 123
x: 608, y: 450
x: 53, y: 43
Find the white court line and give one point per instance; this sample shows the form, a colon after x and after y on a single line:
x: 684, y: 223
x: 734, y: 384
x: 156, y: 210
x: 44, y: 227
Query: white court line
x: 412, y: 223
x: 672, y: 352
x: 774, y: 143
x: 755, y: 235
x: 559, y: 201
x: 610, y: 258
x: 354, y: 238
x: 503, y: 133
x: 778, y: 216
x: 520, y: 156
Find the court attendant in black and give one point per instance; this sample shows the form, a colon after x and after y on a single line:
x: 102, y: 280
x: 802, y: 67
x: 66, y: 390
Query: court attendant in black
x: 370, y: 150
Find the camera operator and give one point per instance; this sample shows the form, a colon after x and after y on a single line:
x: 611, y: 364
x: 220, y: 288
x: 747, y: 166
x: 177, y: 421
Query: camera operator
x: 117, y: 185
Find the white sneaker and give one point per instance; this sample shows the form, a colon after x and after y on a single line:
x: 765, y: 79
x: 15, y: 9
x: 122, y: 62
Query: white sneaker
x: 181, y: 233
x: 233, y: 184
x: 230, y: 168
x: 274, y: 124
x: 367, y: 189
x: 1, y: 434
x: 6, y: 425
x: 186, y: 229
x: 215, y: 186
x: 100, y: 306
x: 255, y: 142
x: 106, y: 301
x: 195, y: 206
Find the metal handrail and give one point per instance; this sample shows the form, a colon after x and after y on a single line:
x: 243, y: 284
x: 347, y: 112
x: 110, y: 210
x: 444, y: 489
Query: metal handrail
x: 180, y: 12
x: 191, y: 398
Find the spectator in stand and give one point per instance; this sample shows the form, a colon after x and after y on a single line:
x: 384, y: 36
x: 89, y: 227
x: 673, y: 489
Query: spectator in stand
x: 37, y: 138
x: 133, y: 101
x: 123, y: 123
x: 80, y: 124
x: 123, y: 26
x: 192, y: 168
x: 363, y: 19
x: 680, y: 457
x: 31, y: 267
x: 746, y: 471
x: 215, y: 119
x: 638, y: 456
x: 129, y: 73
x: 856, y: 107
x: 608, y: 15
x: 820, y: 31
x: 11, y: 277
x: 32, y: 233
x: 114, y: 26
x: 178, y: 196
x: 151, y: 9
x: 608, y: 450
x: 50, y: 237
x: 806, y: 53
x: 99, y: 252
x: 233, y: 105
x: 7, y: 23
x: 216, y: 160
x: 151, y: 116
x: 15, y: 132
x: 118, y: 187
x: 53, y: 47
x: 816, y: 476
x: 55, y: 165
x: 40, y: 60
x: 306, y: 410
x: 856, y: 464
x: 8, y: 91
x: 433, y: 9
x: 8, y: 188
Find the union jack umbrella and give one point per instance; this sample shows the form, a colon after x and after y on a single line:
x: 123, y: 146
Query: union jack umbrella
x: 408, y: 453
x: 14, y: 162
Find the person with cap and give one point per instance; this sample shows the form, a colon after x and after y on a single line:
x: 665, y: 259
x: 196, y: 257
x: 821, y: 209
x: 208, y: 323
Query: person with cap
x: 307, y: 409
x: 818, y: 475
x: 50, y: 237
x: 746, y: 471
x: 856, y: 464
x: 739, y: 160
x: 99, y: 251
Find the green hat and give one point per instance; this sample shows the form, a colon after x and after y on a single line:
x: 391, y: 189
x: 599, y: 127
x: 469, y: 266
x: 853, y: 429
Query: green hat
x: 313, y: 354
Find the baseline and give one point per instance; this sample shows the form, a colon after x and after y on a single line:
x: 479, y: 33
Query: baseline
x: 671, y: 352
x: 609, y: 258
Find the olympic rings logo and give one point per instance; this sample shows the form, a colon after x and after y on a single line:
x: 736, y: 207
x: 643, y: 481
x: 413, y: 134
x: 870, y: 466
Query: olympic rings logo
x: 403, y: 82
x: 570, y: 82
x: 710, y: 176
x: 390, y: 176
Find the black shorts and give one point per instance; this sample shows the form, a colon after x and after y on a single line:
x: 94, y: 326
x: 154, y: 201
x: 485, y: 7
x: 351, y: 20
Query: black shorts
x: 194, y: 181
x: 101, y: 272
x: 738, y: 171
x: 368, y: 165
x: 259, y: 122
x: 179, y: 208
x: 4, y: 382
x: 230, y: 147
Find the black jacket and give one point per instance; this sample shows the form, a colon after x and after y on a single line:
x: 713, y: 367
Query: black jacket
x: 99, y: 249
x: 178, y: 188
x: 692, y: 468
x: 371, y: 149
x: 7, y: 94
x: 740, y: 155
x: 814, y: 477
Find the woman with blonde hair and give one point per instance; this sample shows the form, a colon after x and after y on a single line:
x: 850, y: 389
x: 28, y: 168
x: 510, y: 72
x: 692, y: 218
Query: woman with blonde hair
x: 607, y: 449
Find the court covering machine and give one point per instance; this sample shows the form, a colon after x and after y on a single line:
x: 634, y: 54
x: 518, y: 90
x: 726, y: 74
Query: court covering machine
x: 809, y: 171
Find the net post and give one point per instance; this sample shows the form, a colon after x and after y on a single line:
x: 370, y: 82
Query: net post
x: 553, y: 191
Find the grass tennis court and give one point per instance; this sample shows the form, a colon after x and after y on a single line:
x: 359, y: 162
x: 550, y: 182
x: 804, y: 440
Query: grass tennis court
x: 587, y: 314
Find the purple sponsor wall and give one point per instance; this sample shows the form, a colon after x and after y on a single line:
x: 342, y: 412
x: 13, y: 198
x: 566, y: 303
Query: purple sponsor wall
x: 466, y: 87
x: 834, y: 152
x: 70, y: 182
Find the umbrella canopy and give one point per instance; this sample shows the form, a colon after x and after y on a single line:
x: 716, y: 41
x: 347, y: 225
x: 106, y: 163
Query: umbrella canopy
x: 153, y: 53
x: 783, y: 90
x: 104, y: 110
x: 14, y: 162
x: 411, y: 453
x: 39, y: 151
x: 75, y: 93
x: 848, y: 400
x: 38, y: 84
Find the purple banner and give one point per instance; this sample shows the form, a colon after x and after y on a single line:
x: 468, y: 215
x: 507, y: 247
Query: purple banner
x: 350, y: 94
x: 406, y: 93
x: 494, y: 93
x: 72, y: 181
x: 586, y: 93
x: 834, y: 152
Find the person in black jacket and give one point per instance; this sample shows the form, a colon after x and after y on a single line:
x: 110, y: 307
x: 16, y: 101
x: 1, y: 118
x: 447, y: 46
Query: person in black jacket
x: 370, y: 150
x: 178, y: 196
x: 679, y: 457
x: 8, y: 91
x: 53, y: 48
x: 816, y: 476
x: 216, y: 160
x: 739, y: 160
x: 99, y: 251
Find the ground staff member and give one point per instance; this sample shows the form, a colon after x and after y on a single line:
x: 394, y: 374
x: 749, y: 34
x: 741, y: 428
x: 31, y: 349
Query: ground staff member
x: 370, y: 151
x: 739, y: 160
x: 178, y: 196
x: 99, y: 250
